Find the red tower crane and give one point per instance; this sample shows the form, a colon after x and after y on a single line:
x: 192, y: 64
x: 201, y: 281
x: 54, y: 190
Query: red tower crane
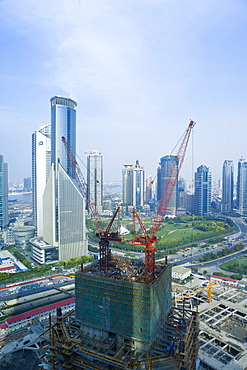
x: 145, y: 239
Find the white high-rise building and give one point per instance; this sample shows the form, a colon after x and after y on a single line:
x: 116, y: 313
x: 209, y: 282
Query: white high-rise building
x: 41, y: 165
x: 64, y: 215
x: 95, y: 180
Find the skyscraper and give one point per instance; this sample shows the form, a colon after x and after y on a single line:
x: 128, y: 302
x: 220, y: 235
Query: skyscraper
x: 4, y: 220
x: 63, y: 204
x: 127, y: 188
x: 95, y: 179
x: 163, y: 174
x: 227, y: 186
x: 133, y: 179
x: 41, y: 165
x: 242, y: 187
x: 138, y: 186
x: 203, y: 191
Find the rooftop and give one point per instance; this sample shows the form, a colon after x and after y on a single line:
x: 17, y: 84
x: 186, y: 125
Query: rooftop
x: 125, y: 269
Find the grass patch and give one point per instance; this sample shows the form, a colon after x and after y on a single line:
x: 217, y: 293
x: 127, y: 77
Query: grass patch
x: 238, y: 266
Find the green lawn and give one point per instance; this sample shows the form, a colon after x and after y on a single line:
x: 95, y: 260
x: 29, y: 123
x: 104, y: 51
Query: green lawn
x: 238, y: 265
x: 172, y: 232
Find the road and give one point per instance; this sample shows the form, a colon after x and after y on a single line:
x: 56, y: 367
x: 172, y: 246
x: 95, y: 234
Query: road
x: 240, y: 236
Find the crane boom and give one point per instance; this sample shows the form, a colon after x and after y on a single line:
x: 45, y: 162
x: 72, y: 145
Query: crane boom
x: 171, y: 182
x: 145, y: 239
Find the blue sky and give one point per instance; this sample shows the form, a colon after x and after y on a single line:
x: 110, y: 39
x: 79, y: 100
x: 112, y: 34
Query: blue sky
x: 139, y: 71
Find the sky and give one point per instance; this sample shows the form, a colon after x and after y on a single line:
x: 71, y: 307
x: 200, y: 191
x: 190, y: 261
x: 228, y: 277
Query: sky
x: 139, y: 70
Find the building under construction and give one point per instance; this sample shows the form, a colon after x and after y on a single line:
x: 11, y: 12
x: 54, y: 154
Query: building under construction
x: 123, y: 315
x: 121, y: 321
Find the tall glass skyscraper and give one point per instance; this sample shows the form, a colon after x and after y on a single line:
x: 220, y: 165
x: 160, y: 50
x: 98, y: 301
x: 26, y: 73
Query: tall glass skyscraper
x: 95, y: 179
x: 163, y: 173
x: 63, y: 204
x: 227, y: 186
x: 242, y: 187
x: 4, y: 220
x: 203, y: 191
x: 63, y: 123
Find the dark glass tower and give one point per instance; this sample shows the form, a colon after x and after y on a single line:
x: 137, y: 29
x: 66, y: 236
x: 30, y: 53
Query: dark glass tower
x: 203, y: 191
x: 164, y: 170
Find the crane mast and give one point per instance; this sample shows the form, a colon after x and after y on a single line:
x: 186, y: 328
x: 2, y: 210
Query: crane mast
x: 105, y: 236
x: 146, y: 240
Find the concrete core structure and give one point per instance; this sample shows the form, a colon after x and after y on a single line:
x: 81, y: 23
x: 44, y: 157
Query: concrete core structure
x: 122, y: 322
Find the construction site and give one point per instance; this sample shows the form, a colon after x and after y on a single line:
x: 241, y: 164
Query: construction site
x: 222, y: 312
x: 128, y: 316
x: 121, y: 322
x: 123, y: 316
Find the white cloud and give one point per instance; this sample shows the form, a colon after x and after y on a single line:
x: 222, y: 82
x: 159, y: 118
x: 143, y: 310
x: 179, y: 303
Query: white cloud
x: 139, y: 69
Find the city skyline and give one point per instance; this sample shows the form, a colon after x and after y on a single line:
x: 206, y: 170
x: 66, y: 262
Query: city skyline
x: 139, y: 72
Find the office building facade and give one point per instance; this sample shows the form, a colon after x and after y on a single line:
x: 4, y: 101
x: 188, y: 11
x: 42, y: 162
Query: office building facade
x: 203, y: 191
x: 4, y: 219
x: 166, y: 165
x: 242, y: 187
x: 60, y: 206
x: 41, y: 166
x: 95, y: 181
x: 227, y: 186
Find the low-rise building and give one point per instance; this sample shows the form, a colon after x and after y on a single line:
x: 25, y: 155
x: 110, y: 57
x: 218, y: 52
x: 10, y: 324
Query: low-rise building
x: 17, y: 322
x: 8, y: 263
x: 224, y: 280
x: 180, y: 273
x: 43, y: 252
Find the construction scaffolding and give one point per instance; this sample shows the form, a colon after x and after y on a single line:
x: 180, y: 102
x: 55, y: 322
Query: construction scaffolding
x: 175, y: 346
x: 120, y: 322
